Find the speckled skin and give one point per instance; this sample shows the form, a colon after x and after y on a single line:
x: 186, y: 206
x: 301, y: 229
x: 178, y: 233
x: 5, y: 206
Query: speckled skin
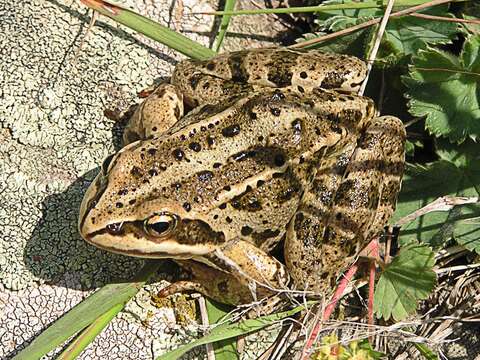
x: 275, y: 145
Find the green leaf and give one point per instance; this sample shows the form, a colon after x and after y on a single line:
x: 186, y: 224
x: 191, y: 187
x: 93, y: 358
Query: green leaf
x: 456, y: 174
x: 467, y: 228
x: 151, y: 29
x: 89, y: 334
x: 445, y: 90
x: 403, y: 35
x: 82, y: 315
x: 409, y: 148
x: 471, y: 10
x: 231, y: 330
x: 406, y: 280
x: 224, y: 349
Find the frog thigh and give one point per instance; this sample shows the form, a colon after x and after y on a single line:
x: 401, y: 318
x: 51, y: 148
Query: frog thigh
x: 227, y: 74
x: 155, y: 115
x: 332, y: 225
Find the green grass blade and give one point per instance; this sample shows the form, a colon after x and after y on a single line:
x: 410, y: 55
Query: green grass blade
x: 426, y: 352
x: 227, y: 331
x: 89, y: 334
x: 224, y: 349
x: 229, y: 6
x: 151, y: 29
x: 306, y: 9
x: 83, y: 314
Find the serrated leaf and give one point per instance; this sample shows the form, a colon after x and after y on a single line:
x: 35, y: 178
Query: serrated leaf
x: 403, y: 35
x: 445, y: 89
x: 457, y: 174
x: 406, y: 280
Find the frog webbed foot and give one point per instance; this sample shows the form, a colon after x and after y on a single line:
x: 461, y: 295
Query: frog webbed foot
x: 155, y: 115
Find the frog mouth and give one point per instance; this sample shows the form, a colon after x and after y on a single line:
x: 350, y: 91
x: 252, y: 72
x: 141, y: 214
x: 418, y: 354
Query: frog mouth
x: 140, y: 247
x: 129, y: 239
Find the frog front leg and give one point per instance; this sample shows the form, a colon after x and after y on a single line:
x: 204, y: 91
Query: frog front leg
x: 155, y: 115
x: 335, y: 221
x: 235, y: 273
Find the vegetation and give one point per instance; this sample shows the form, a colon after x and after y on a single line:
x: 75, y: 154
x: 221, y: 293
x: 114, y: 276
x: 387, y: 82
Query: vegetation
x: 426, y: 71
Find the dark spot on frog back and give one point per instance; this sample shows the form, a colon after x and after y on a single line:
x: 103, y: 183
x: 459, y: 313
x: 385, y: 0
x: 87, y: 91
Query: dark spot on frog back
x: 236, y: 63
x: 351, y: 116
x: 231, y: 131
x: 178, y: 154
x: 281, y: 68
x: 261, y: 237
x: 136, y: 172
x: 333, y: 80
x: 195, y: 146
x: 194, y: 80
x: 297, y: 126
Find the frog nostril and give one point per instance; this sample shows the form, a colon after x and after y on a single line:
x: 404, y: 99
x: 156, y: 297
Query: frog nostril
x: 114, y: 228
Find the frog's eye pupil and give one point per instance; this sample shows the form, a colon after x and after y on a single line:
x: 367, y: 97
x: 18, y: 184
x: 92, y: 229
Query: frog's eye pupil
x: 160, y: 225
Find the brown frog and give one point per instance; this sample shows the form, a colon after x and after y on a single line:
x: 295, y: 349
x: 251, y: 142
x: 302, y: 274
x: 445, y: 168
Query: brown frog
x: 274, y: 145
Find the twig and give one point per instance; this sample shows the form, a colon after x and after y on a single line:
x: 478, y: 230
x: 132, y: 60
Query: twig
x: 371, y: 283
x: 373, y: 54
x: 204, y: 317
x: 457, y: 268
x: 444, y: 203
x: 452, y: 250
x: 369, y: 23
x: 443, y: 18
x: 93, y: 19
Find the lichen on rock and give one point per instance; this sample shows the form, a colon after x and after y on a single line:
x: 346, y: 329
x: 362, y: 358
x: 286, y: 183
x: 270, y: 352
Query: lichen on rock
x: 53, y: 136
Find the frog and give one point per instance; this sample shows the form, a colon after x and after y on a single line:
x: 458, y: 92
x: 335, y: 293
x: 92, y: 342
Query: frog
x: 244, y: 153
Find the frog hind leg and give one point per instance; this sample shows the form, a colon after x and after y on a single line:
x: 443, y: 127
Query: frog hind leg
x: 155, y: 115
x: 338, y: 216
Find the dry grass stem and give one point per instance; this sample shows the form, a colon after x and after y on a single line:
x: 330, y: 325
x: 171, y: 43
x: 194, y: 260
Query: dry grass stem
x: 204, y: 317
x: 444, y: 203
x: 443, y: 18
x: 373, y: 54
x: 457, y: 268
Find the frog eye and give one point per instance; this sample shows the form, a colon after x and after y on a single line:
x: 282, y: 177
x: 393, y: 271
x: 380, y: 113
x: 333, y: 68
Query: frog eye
x: 160, y: 225
x: 106, y: 163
